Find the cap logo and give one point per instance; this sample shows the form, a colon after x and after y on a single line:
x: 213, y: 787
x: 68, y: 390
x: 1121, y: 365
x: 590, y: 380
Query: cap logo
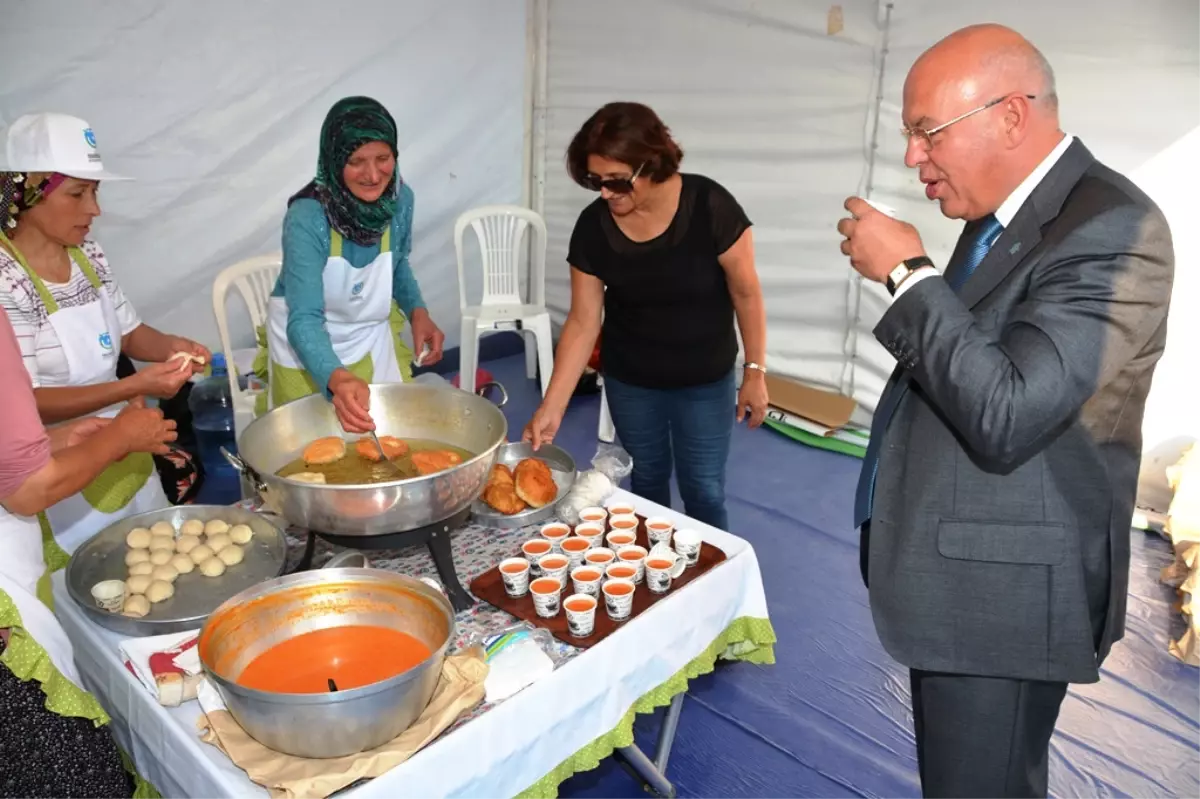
x: 89, y: 137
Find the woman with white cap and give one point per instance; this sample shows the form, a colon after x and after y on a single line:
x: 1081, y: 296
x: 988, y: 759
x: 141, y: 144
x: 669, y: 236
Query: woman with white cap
x: 70, y: 318
x: 54, y: 737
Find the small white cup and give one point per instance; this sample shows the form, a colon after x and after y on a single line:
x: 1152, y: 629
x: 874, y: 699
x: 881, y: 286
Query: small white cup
x: 547, y: 593
x: 110, y: 595
x: 618, y: 599
x: 592, y: 532
x: 620, y: 539
x: 659, y: 529
x: 658, y: 578
x: 534, y: 557
x: 625, y: 522
x: 514, y: 572
x: 617, y: 566
x: 575, y: 547
x: 687, y: 544
x: 581, y: 623
x: 599, y: 557
x: 555, y: 566
x: 555, y: 532
x: 590, y: 587
x: 593, y: 515
x: 634, y: 556
x: 620, y: 508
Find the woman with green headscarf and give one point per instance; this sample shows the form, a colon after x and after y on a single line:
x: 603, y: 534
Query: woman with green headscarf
x: 346, y: 241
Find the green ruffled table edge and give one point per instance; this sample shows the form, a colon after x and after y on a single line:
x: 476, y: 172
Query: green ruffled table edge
x: 28, y: 660
x: 746, y: 638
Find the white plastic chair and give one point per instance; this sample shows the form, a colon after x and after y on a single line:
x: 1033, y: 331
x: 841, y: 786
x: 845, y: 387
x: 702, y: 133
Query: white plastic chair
x: 254, y: 278
x: 500, y: 230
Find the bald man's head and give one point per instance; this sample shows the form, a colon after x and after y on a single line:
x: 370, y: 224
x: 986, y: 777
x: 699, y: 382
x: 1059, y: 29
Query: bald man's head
x: 986, y: 97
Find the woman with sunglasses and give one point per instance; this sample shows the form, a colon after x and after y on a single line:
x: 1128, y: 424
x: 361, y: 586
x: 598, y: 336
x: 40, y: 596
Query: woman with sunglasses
x: 661, y: 265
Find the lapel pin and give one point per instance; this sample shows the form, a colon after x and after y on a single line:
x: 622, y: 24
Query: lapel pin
x: 1013, y: 249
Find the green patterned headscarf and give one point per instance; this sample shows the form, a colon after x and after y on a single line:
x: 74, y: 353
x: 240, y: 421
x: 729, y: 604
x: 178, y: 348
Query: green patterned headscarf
x: 351, y: 123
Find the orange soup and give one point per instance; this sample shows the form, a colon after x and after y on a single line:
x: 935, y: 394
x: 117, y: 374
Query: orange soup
x: 618, y: 589
x: 351, y: 656
x: 537, y: 547
x: 575, y: 545
x: 624, y: 524
x: 622, y: 572
x: 580, y: 605
x: 514, y: 568
x: 587, y: 575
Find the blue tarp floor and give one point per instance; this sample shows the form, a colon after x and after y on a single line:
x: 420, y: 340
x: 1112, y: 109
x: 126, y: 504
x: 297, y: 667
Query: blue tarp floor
x: 832, y: 717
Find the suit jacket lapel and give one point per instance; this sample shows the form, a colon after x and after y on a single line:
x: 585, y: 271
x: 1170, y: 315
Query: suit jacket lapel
x: 1024, y: 233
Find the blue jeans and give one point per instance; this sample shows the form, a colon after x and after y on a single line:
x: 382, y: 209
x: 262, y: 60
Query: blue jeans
x: 696, y: 424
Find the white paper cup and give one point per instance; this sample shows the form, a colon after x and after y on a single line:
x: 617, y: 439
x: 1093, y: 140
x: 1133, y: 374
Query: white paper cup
x: 618, y: 599
x: 514, y: 572
x: 591, y: 586
x: 614, y: 571
x: 109, y: 595
x: 659, y: 529
x: 882, y: 208
x: 625, y: 522
x: 619, y: 539
x: 533, y: 557
x: 687, y: 544
x: 591, y: 532
x: 620, y: 508
x: 634, y: 556
x: 581, y: 614
x: 593, y: 515
x: 599, y: 557
x: 575, y: 547
x: 659, y: 577
x: 547, y: 593
x: 555, y: 532
x: 555, y: 566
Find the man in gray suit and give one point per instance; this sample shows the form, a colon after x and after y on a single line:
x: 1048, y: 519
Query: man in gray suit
x: 996, y: 497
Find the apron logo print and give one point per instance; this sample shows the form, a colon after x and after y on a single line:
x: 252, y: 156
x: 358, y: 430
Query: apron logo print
x: 106, y: 342
x: 356, y: 292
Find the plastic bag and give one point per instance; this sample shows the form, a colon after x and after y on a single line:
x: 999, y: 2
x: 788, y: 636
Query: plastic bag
x: 610, y: 466
x: 517, y: 657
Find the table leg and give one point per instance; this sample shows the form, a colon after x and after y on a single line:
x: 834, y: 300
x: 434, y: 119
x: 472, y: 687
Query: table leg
x: 654, y: 772
x: 443, y: 560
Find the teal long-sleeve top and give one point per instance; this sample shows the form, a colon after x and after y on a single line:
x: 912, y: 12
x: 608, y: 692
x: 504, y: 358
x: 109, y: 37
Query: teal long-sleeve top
x: 301, y: 283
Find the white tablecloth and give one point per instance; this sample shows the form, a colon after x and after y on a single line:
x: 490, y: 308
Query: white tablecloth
x: 500, y: 753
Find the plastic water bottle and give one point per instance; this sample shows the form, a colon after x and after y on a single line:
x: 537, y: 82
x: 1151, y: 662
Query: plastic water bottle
x: 211, y: 404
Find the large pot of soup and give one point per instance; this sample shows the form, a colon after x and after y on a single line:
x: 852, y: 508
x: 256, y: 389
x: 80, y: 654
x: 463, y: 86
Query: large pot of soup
x: 442, y: 442
x: 329, y: 662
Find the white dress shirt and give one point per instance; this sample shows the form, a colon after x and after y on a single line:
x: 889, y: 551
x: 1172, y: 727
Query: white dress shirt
x: 1007, y: 210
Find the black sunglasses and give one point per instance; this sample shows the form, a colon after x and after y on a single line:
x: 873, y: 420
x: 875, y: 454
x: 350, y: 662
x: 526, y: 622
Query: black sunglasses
x: 615, y: 185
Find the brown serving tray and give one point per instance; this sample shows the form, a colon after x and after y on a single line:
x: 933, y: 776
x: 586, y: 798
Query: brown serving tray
x: 490, y: 588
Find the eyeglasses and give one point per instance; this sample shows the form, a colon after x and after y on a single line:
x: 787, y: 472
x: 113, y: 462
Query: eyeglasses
x: 925, y: 137
x: 615, y: 185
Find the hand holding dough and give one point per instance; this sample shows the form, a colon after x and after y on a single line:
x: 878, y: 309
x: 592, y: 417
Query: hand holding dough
x: 138, y: 538
x: 231, y: 555
x: 186, y: 359
x: 160, y: 590
x: 136, y: 606
x: 218, y: 542
x: 213, y: 567
x: 241, y: 534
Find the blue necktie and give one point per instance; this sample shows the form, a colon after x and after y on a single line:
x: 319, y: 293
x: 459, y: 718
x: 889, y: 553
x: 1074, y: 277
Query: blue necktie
x: 980, y: 236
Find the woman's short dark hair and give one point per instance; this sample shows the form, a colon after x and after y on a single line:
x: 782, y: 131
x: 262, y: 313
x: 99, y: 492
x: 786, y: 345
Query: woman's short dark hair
x: 627, y: 132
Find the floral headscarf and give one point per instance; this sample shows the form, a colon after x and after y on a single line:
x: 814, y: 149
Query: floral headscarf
x: 20, y: 191
x: 351, y: 123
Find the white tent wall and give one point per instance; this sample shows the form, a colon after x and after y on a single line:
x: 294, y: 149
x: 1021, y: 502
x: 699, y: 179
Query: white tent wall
x: 216, y: 109
x: 764, y: 100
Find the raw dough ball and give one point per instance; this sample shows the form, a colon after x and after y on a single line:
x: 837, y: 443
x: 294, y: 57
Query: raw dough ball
x: 183, y: 564
x: 218, y: 542
x: 231, y: 555
x: 163, y: 528
x: 145, y: 567
x: 213, y: 567
x: 138, y: 538
x: 201, y: 554
x: 137, y: 556
x: 136, y: 606
x: 160, y: 590
x: 138, y: 583
x: 187, y: 543
x: 216, y: 526
x: 160, y: 557
x: 162, y: 542
x: 192, y: 527
x: 241, y: 534
x: 167, y: 573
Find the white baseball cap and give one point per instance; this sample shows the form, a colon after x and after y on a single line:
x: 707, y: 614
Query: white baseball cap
x: 54, y: 143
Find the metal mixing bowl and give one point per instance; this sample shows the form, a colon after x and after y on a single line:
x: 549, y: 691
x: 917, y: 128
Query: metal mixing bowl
x: 336, y: 723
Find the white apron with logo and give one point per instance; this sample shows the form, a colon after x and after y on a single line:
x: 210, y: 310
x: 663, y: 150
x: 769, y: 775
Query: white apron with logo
x: 358, y: 305
x: 90, y: 336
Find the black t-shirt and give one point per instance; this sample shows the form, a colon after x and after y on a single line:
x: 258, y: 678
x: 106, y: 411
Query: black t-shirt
x: 668, y: 314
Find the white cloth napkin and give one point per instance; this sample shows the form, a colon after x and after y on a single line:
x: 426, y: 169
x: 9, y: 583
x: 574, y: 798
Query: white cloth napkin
x: 171, y: 681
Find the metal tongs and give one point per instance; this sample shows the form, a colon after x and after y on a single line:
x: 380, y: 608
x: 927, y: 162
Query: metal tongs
x: 384, y: 455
